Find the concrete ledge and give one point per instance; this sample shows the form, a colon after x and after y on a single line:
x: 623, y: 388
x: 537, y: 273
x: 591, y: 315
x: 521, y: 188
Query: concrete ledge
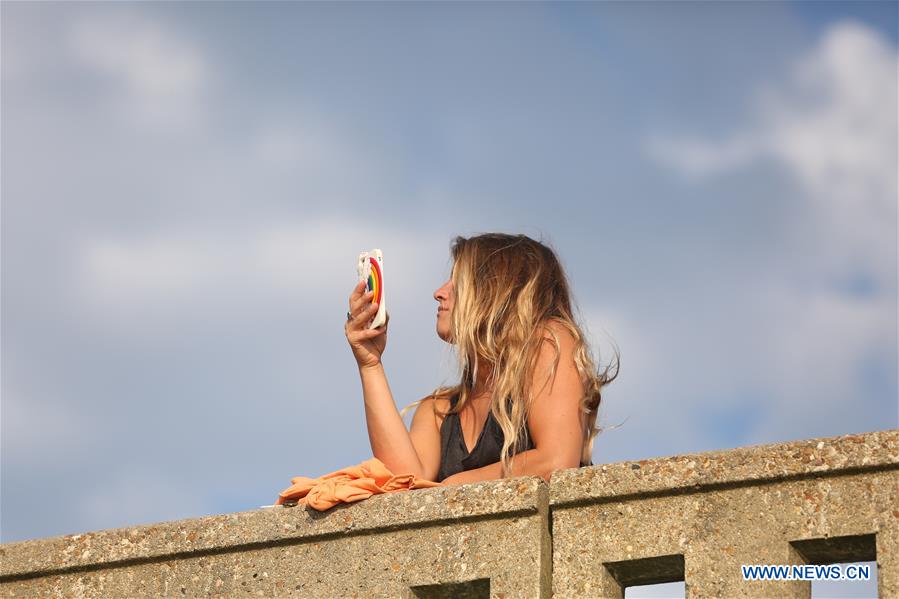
x: 733, y: 467
x: 268, y: 527
x: 698, y: 518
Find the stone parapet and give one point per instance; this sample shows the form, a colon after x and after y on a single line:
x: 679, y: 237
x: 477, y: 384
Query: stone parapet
x: 591, y: 532
x: 698, y: 518
x: 757, y: 464
x: 411, y: 544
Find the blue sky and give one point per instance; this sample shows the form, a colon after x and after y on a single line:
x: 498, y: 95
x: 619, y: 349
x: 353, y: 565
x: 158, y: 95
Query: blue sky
x: 186, y: 187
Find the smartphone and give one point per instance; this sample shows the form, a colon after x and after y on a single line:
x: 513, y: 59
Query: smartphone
x: 370, y: 268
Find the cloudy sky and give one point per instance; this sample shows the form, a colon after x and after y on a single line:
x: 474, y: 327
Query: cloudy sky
x: 186, y: 186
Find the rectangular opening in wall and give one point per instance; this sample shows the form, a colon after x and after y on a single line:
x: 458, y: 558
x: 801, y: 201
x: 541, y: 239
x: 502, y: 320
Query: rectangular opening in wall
x: 667, y: 590
x: 659, y: 576
x: 848, y: 589
x: 855, y: 556
x: 470, y: 589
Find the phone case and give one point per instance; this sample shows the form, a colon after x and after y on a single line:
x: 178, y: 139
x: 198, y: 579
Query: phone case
x: 370, y: 268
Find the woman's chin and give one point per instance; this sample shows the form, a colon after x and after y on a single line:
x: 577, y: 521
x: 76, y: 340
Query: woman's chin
x: 445, y: 335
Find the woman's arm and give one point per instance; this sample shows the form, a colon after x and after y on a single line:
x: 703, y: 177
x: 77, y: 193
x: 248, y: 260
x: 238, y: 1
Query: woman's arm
x: 555, y: 421
x: 390, y: 441
x: 425, y: 435
x: 527, y: 463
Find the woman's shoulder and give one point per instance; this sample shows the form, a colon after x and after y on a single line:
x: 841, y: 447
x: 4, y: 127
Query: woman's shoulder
x: 441, y: 402
x: 556, y: 332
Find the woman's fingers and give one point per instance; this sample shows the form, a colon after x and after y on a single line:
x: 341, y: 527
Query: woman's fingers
x: 367, y: 313
x: 362, y: 317
x: 361, y: 304
x: 369, y: 333
x: 359, y: 296
x: 357, y: 293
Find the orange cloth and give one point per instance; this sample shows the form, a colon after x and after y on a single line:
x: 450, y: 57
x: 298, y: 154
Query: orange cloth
x: 354, y: 483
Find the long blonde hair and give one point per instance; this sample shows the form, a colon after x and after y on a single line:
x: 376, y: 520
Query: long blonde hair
x: 507, y: 289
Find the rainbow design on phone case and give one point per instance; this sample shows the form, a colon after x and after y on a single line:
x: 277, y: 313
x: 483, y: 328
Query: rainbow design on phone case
x: 374, y: 280
x: 370, y: 269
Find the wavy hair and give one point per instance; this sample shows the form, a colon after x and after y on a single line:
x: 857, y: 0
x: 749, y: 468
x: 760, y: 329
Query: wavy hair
x: 507, y: 290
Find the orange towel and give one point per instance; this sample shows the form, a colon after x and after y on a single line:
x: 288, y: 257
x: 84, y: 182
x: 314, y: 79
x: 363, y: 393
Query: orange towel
x: 354, y: 483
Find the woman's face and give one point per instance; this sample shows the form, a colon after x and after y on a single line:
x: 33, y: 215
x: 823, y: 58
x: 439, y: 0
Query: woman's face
x: 446, y: 298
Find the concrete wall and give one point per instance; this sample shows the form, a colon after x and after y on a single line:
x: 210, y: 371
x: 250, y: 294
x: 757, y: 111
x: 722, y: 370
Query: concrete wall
x: 698, y: 517
x: 590, y: 532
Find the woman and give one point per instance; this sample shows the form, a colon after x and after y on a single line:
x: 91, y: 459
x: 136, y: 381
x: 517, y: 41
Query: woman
x: 529, y: 395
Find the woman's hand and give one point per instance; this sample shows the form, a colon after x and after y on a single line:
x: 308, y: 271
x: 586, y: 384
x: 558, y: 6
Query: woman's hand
x: 367, y: 345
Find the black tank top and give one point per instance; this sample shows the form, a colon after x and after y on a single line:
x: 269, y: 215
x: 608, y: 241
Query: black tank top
x: 454, y: 456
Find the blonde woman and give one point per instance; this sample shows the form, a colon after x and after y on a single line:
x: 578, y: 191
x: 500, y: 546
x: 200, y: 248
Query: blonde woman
x: 529, y: 393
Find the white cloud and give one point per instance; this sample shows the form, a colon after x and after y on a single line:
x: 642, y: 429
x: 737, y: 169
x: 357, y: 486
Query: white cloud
x: 815, y: 344
x: 834, y: 125
x: 639, y: 401
x: 696, y: 159
x: 834, y: 128
x: 794, y: 355
x: 837, y: 133
x: 837, y: 128
x: 182, y: 273
x: 311, y: 142
x: 150, y: 271
x: 308, y: 155
x: 160, y: 76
